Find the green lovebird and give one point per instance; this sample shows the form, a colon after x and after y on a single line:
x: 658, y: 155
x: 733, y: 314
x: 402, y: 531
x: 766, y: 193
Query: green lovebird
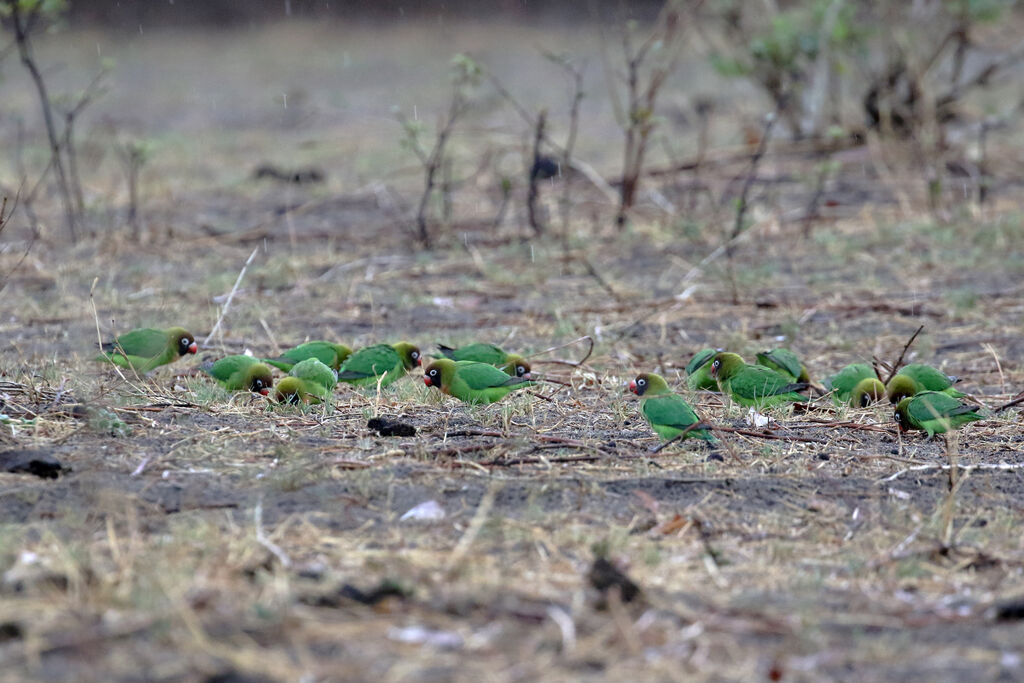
x: 867, y: 391
x: 934, y: 412
x: 295, y: 390
x: 310, y: 381
x: 472, y: 382
x: 147, y: 348
x: 312, y: 370
x: 668, y: 414
x: 843, y: 382
x: 754, y: 385
x: 928, y: 378
x: 240, y: 373
x: 511, y: 363
x: 784, y: 362
x: 328, y: 353
x: 366, y: 365
x: 698, y: 371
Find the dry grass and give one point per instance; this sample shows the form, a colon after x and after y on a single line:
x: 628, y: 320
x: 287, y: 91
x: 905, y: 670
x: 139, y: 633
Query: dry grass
x: 199, y: 532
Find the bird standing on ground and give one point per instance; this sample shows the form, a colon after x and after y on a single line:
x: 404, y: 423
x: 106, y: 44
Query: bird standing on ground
x: 481, y: 352
x: 754, y: 385
x: 842, y: 384
x: 668, y: 414
x: 240, y: 373
x: 309, y: 381
x: 380, y: 362
x: 934, y: 412
x: 328, y: 353
x: 147, y: 348
x: 472, y: 382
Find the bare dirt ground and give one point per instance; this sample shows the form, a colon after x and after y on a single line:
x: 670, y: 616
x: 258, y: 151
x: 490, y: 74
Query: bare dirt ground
x: 195, y: 535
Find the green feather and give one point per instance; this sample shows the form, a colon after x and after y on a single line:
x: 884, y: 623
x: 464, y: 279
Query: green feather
x: 479, y: 352
x: 668, y: 414
x: 365, y: 366
x: 867, y: 391
x: 754, y: 385
x: 294, y: 390
x: 784, y: 362
x: 239, y: 373
x: 328, y: 353
x: 313, y: 372
x: 510, y: 363
x: 843, y: 382
x: 146, y: 349
x: 934, y: 412
x: 472, y: 382
x: 698, y: 371
x: 930, y: 379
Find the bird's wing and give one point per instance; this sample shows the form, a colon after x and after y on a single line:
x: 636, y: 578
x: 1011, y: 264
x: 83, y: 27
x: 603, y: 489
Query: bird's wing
x: 478, y: 376
x: 670, y: 410
x: 144, y: 343
x: 934, y: 406
x: 369, y: 362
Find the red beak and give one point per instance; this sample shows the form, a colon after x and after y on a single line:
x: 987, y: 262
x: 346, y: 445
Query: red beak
x: 419, y: 362
x: 426, y: 380
x: 632, y: 385
x: 264, y: 391
x: 193, y: 347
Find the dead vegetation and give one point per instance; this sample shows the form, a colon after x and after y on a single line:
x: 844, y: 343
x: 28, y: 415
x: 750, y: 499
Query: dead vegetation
x: 195, y: 534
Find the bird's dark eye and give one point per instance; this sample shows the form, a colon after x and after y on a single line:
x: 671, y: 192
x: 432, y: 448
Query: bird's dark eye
x: 433, y: 373
x: 520, y: 370
x: 641, y: 382
x: 717, y: 364
x: 415, y: 355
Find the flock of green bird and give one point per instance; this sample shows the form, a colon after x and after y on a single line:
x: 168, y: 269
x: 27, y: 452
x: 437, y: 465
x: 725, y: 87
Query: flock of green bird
x: 925, y: 398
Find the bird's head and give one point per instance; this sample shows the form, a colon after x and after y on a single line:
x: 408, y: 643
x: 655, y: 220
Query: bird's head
x: 725, y: 365
x: 699, y: 360
x: 902, y: 414
x: 260, y: 380
x: 289, y: 390
x: 186, y: 342
x: 648, y: 383
x: 900, y: 387
x: 439, y: 373
x: 516, y: 366
x: 409, y: 354
x: 866, y: 392
x: 341, y: 353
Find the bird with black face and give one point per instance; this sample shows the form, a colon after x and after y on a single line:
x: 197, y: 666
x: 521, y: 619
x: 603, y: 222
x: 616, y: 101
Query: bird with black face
x: 380, y: 363
x: 472, y: 382
x: 934, y: 412
x: 754, y: 385
x: 482, y: 352
x: 668, y: 414
x: 147, y: 348
x: 240, y: 373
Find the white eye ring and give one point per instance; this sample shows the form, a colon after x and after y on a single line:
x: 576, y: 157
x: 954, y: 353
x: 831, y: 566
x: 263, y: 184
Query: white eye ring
x: 641, y: 381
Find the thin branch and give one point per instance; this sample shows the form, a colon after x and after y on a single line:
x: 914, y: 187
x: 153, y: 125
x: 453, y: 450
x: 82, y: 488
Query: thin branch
x: 231, y: 296
x: 22, y: 26
x: 899, y: 361
x: 533, y: 191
